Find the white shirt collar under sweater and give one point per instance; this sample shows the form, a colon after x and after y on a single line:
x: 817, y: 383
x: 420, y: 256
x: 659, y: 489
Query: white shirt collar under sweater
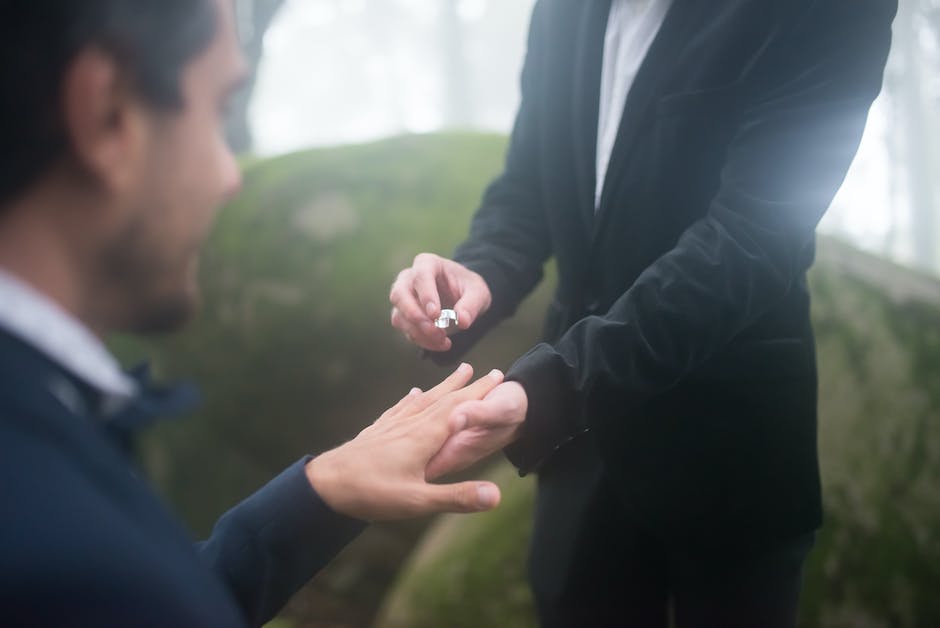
x: 631, y: 28
x: 41, y: 323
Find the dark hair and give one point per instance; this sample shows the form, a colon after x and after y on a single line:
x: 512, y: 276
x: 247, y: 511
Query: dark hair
x: 152, y: 40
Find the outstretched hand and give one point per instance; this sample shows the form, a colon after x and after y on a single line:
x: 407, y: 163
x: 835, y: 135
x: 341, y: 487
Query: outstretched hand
x: 431, y: 283
x: 381, y: 474
x: 480, y: 428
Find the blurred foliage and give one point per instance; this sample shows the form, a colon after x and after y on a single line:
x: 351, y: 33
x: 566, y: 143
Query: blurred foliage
x: 294, y: 352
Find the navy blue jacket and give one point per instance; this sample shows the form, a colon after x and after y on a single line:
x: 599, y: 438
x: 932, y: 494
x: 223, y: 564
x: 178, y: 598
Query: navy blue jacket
x: 84, y: 540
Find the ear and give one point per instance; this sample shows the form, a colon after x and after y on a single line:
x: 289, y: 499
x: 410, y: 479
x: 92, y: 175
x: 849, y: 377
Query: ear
x: 103, y: 119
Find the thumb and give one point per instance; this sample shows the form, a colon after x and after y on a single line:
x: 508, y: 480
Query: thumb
x: 462, y: 497
x: 471, y: 414
x: 471, y: 304
x: 504, y: 406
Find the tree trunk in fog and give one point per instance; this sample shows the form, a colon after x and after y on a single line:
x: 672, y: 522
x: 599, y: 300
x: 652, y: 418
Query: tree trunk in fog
x: 933, y: 18
x: 917, y: 130
x: 254, y: 18
x: 383, y: 21
x: 458, y: 108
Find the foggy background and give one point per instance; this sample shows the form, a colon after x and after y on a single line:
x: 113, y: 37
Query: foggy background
x: 347, y: 71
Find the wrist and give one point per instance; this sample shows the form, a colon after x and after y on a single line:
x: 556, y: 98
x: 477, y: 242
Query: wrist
x: 323, y: 477
x: 522, y: 406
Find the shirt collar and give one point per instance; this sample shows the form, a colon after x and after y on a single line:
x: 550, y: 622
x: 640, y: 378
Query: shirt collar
x: 38, y: 321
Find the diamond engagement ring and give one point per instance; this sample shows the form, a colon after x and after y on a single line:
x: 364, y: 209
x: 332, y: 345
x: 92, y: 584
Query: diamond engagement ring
x: 447, y: 319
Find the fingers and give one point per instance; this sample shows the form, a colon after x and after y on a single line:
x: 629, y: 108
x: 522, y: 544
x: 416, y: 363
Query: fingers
x: 423, y: 334
x: 415, y: 292
x: 454, y: 382
x: 505, y: 406
x: 405, y: 300
x: 431, y: 413
x: 352, y: 484
x: 403, y: 403
x: 409, y: 314
x: 445, y: 397
x: 419, y: 293
x: 453, y: 390
x: 427, y: 269
x: 473, y: 302
x: 479, y: 389
x: 417, y: 401
x: 461, y: 497
x: 434, y: 410
x: 458, y: 452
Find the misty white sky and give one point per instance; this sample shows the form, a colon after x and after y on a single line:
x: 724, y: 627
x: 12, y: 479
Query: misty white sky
x: 352, y: 71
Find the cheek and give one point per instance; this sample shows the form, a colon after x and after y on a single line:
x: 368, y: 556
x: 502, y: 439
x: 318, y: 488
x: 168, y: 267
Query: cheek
x: 192, y: 174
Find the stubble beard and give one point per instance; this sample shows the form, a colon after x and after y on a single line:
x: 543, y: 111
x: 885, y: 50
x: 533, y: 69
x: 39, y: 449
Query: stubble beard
x: 153, y: 293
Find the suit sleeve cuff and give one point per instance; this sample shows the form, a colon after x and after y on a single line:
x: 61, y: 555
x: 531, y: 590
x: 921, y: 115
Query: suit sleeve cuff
x: 553, y: 419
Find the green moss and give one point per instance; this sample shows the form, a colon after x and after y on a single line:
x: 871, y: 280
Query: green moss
x: 469, y: 571
x: 876, y: 562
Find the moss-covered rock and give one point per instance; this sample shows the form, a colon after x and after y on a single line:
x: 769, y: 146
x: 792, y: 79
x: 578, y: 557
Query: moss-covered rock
x: 877, y: 561
x: 469, y: 572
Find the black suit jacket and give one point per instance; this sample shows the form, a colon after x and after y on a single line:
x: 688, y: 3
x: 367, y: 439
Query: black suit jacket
x: 84, y: 541
x: 679, y: 336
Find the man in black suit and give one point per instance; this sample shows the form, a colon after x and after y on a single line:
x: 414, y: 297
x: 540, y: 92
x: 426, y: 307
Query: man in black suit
x: 113, y: 163
x: 674, y: 158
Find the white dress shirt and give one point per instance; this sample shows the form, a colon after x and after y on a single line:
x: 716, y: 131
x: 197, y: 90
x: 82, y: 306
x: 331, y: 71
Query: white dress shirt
x: 41, y: 323
x: 631, y: 28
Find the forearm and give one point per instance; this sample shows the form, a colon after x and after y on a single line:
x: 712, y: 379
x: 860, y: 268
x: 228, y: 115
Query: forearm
x: 271, y: 544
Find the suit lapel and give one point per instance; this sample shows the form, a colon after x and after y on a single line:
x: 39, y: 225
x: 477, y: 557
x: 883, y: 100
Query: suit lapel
x: 682, y: 17
x: 587, y: 87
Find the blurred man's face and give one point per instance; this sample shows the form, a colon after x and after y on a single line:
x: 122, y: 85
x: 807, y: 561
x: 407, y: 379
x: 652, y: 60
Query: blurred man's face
x: 186, y: 172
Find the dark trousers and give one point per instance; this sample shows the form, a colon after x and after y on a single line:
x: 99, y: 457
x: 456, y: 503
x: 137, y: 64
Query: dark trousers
x: 619, y: 574
x: 662, y: 590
